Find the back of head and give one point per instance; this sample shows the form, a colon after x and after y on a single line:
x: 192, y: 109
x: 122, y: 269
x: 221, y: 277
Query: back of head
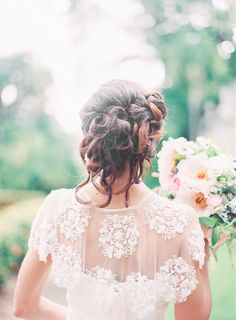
x: 121, y: 123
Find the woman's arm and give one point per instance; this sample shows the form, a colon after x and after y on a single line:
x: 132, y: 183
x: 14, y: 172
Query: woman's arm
x: 198, y: 304
x: 28, y: 302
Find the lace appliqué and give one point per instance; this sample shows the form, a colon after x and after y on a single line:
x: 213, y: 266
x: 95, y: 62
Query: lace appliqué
x: 137, y: 290
x: 118, y: 235
x: 173, y: 283
x: 176, y: 280
x: 140, y: 294
x: 66, y: 266
x: 196, y: 245
x: 105, y: 287
x: 72, y: 218
x: 42, y: 239
x: 66, y: 262
x: 105, y: 275
x: 166, y: 218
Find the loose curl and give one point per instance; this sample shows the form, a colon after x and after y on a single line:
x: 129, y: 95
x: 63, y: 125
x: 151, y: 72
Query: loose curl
x: 121, y: 123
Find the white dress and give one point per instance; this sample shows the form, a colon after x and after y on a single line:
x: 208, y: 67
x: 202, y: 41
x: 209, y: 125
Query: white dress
x: 119, y: 264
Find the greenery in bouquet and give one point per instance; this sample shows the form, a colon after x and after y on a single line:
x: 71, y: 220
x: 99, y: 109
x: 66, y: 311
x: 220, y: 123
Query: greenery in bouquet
x: 199, y: 174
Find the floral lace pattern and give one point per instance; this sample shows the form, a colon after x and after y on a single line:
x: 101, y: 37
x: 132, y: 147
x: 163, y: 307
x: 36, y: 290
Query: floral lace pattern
x: 165, y: 218
x: 137, y: 290
x: 196, y: 245
x: 103, y: 274
x: 72, y: 218
x: 172, y: 278
x: 105, y: 288
x: 140, y: 293
x: 43, y: 240
x: 66, y: 267
x: 176, y: 280
x: 118, y: 235
x: 66, y: 261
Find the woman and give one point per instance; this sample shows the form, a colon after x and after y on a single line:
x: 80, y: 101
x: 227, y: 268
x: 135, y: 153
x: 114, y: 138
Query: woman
x: 121, y: 250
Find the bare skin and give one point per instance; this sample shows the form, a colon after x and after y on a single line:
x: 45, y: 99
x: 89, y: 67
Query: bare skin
x: 136, y: 192
x: 198, y: 304
x: 28, y: 300
x: 30, y: 304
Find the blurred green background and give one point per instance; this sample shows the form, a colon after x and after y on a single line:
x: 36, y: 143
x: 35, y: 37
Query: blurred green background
x: 194, y: 40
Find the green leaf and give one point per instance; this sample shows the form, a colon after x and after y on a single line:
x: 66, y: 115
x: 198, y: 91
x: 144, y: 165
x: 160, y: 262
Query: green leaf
x: 229, y: 188
x: 212, y: 152
x: 234, y: 235
x: 208, y: 221
x: 215, y: 236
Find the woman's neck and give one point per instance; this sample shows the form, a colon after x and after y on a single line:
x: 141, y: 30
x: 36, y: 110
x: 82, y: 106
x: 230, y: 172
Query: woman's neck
x: 120, y: 182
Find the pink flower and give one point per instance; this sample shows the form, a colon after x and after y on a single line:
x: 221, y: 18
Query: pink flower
x: 175, y: 183
x: 214, y: 201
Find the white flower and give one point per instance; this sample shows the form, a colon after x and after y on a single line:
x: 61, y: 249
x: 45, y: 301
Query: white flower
x: 194, y: 167
x: 221, y: 164
x: 194, y: 193
x: 179, y: 145
x: 203, y: 142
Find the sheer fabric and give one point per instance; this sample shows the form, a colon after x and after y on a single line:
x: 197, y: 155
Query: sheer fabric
x: 124, y: 263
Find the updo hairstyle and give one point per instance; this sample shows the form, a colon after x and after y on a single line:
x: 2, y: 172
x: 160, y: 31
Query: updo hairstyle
x: 121, y: 123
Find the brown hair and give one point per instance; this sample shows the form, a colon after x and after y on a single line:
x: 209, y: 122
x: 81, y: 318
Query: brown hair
x: 121, y: 123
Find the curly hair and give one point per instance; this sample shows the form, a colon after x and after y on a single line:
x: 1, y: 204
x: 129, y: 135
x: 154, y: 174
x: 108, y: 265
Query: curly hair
x: 121, y: 123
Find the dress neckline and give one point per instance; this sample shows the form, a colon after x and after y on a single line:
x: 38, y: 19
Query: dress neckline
x: 149, y: 194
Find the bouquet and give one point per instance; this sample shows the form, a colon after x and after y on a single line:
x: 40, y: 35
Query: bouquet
x: 202, y: 176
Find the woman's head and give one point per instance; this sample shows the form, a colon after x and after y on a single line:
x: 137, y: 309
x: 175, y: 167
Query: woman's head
x: 121, y: 123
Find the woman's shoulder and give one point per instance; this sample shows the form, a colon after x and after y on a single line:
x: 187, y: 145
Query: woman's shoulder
x: 171, y: 205
x: 56, y: 197
x: 169, y: 218
x: 60, y: 192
